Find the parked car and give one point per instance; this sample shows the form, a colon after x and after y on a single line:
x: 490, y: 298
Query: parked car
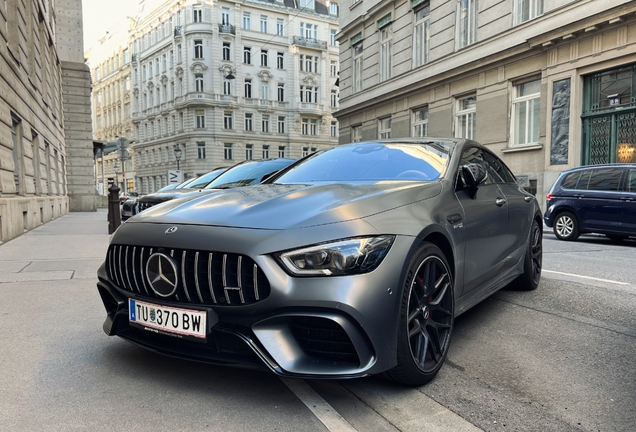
x: 593, y: 199
x: 353, y: 261
x: 241, y: 174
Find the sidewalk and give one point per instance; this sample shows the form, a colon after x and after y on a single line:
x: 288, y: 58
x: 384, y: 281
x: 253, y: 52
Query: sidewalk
x: 70, y: 247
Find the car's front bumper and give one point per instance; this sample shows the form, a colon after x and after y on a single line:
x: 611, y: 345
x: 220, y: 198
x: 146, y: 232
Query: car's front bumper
x: 319, y: 327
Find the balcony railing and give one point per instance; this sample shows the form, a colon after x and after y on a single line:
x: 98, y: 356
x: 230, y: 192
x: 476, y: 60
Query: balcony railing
x: 227, y: 28
x: 310, y: 42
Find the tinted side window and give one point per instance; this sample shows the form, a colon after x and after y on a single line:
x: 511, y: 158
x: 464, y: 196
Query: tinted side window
x: 631, y: 181
x: 474, y: 155
x: 499, y: 168
x: 570, y: 180
x: 605, y: 179
x: 584, y: 180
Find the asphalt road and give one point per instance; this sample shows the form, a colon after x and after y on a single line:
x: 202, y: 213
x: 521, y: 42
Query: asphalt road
x: 557, y: 359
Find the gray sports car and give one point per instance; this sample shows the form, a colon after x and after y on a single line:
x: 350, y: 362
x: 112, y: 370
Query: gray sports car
x: 350, y: 262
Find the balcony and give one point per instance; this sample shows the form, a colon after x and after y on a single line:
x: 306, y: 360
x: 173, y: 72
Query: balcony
x: 311, y: 108
x: 309, y: 42
x: 227, y: 28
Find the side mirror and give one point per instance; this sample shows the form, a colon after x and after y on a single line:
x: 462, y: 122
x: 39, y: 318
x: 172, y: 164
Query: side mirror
x: 475, y: 176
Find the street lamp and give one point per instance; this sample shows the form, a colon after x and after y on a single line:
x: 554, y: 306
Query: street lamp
x: 177, y: 154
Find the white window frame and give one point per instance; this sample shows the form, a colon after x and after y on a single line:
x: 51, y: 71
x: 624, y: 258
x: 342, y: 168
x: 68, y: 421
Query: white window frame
x: 419, y: 120
x: 248, y: 88
x: 281, y: 124
x: 249, y: 122
x: 227, y: 51
x: 384, y: 128
x: 532, y: 9
x: 466, y: 23
x: 465, y: 128
x: 200, y: 119
x: 228, y: 151
x: 357, y: 66
x: 356, y: 133
x: 531, y: 119
x: 265, y: 152
x: 200, y: 150
x: 386, y: 57
x: 228, y: 120
x: 198, y: 83
x: 247, y: 55
x: 265, y: 123
x: 249, y: 151
x: 247, y: 21
x: 421, y: 35
x: 263, y: 22
x: 280, y: 26
x: 197, y: 15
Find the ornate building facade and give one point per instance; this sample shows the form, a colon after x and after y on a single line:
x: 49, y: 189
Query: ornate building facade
x: 546, y: 84
x: 229, y: 81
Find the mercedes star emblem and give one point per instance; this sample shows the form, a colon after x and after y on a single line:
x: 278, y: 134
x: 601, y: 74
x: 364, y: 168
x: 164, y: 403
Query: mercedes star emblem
x: 171, y: 230
x: 162, y: 274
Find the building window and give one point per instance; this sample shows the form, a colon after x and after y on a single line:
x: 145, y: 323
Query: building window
x: 265, y: 91
x: 263, y: 57
x: 356, y: 133
x: 280, y: 26
x: 249, y: 122
x: 198, y: 49
x: 420, y: 122
x: 526, y: 10
x: 198, y: 82
x: 465, y: 119
x: 334, y: 129
x: 332, y: 38
x: 305, y: 127
x: 334, y: 98
x: 265, y: 123
x: 225, y: 15
x: 421, y: 35
x: 265, y: 152
x: 200, y: 118
x: 281, y: 124
x: 281, y: 151
x: 181, y: 121
x: 309, y: 31
x: 263, y: 24
x: 386, y: 41
x: 247, y: 21
x: 526, y: 105
x: 384, y: 128
x: 281, y: 92
x: 313, y: 127
x: 309, y: 94
x: 200, y: 150
x: 307, y: 4
x: 308, y: 63
x: 227, y: 151
x: 228, y: 120
x: 227, y: 87
x: 280, y: 60
x: 305, y: 151
x: 226, y: 51
x: 248, y: 88
x: 247, y: 55
x: 333, y: 68
x: 466, y: 22
x: 164, y: 62
x: 333, y: 8
x: 197, y: 15
x: 249, y: 151
x: 179, y: 57
x: 171, y: 59
x: 356, y: 85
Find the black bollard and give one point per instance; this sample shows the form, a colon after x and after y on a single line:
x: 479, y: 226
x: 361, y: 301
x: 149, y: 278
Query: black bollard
x: 114, y: 210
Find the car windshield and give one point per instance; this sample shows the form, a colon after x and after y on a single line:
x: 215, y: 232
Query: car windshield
x: 373, y: 162
x: 202, y: 181
x: 248, y: 173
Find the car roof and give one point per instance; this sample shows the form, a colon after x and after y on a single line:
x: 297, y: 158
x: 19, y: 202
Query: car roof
x: 588, y: 167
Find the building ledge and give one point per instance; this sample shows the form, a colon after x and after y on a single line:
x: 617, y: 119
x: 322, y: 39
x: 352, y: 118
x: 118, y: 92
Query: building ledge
x: 522, y: 148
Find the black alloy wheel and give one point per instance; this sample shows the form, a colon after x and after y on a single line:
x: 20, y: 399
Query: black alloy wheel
x: 533, y: 261
x: 426, y: 318
x: 566, y: 227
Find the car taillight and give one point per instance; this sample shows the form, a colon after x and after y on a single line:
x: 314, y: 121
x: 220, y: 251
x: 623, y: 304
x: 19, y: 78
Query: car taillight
x: 549, y: 196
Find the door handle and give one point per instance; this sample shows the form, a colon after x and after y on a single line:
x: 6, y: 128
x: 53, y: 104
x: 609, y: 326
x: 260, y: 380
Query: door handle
x: 628, y: 199
x: 500, y: 202
x: 454, y: 218
x: 579, y: 196
x: 528, y: 198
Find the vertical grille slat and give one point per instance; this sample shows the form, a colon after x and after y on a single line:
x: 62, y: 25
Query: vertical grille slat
x: 218, y: 278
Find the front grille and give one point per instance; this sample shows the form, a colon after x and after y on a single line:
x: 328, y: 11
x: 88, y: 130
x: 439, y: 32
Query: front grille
x: 203, y: 277
x: 145, y: 205
x: 324, y: 339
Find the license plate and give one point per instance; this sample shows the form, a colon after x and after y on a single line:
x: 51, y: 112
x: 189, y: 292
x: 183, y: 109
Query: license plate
x: 170, y: 321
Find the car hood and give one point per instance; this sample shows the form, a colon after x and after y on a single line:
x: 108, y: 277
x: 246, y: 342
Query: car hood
x: 283, y: 206
x: 173, y: 194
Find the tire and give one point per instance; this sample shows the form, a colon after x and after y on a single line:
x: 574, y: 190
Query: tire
x: 532, y: 262
x: 426, y: 318
x: 566, y: 227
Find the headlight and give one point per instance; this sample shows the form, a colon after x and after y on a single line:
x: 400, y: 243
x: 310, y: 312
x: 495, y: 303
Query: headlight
x: 342, y: 257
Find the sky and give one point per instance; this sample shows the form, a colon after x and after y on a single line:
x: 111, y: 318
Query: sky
x: 100, y: 16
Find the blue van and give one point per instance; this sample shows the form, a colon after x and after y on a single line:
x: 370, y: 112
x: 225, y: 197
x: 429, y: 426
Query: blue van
x: 593, y: 199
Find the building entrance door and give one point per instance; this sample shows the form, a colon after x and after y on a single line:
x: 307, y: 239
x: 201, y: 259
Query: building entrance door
x: 609, y: 117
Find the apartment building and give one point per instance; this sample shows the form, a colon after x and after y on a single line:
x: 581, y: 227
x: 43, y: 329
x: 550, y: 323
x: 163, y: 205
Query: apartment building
x: 228, y: 81
x: 546, y: 84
